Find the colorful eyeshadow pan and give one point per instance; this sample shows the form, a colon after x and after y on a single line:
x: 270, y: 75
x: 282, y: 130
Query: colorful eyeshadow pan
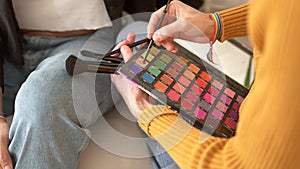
x: 160, y: 64
x: 150, y: 57
x: 141, y: 63
x: 200, y: 113
x: 201, y: 83
x: 192, y: 96
x: 179, y: 88
x: 186, y: 104
x: 160, y: 86
x: 136, y: 69
x: 154, y: 71
x: 197, y: 90
x: 184, y: 81
x: 173, y: 95
x: 182, y: 60
x: 203, y: 95
x: 148, y: 78
x: 172, y: 72
x: 194, y: 68
x: 217, y: 84
x: 166, y: 79
x: 205, y: 76
x: 189, y: 74
x: 177, y: 66
x: 165, y: 58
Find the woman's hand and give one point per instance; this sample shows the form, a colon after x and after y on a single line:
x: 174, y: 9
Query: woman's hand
x: 183, y: 22
x: 5, y: 160
x: 136, y: 99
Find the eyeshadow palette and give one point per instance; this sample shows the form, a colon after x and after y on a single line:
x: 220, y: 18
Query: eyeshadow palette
x: 203, y: 95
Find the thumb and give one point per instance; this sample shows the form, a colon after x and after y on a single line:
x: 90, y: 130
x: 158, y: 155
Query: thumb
x: 126, y: 53
x: 5, y: 160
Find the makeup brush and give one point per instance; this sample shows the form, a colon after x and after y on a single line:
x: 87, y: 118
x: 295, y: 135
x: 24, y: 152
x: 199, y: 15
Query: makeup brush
x: 156, y: 28
x: 75, y: 65
x: 108, y: 56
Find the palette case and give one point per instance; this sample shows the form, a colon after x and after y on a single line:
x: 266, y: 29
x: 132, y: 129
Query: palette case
x: 204, y: 96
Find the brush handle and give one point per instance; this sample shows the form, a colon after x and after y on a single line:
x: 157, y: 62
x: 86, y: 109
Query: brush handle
x: 130, y: 45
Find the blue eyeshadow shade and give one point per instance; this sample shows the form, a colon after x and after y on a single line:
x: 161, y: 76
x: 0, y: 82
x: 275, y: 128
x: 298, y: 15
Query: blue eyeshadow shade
x: 148, y: 78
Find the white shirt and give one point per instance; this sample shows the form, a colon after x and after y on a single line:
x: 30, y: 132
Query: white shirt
x: 61, y: 15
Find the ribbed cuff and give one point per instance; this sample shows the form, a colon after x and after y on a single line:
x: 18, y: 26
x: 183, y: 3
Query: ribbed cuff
x: 153, y: 113
x: 234, y: 22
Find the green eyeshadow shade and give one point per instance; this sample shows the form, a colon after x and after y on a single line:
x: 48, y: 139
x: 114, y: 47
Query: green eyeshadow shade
x: 154, y: 71
x: 165, y: 58
x: 160, y: 64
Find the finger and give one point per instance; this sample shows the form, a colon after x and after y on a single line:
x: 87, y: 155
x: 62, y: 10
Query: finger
x: 130, y: 37
x: 167, y: 31
x: 5, y: 160
x: 124, y: 42
x: 170, y: 47
x: 126, y: 53
x: 154, y: 19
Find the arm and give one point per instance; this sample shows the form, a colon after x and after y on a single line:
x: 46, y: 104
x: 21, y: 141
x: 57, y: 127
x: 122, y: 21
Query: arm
x: 185, y: 22
x: 188, y: 146
x: 265, y: 138
x: 234, y: 22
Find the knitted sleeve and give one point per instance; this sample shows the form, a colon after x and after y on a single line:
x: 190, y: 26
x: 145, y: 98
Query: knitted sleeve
x: 234, y: 22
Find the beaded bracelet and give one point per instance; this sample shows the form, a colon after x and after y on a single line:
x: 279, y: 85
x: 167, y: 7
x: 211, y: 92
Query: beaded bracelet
x: 217, y: 26
x: 217, y: 34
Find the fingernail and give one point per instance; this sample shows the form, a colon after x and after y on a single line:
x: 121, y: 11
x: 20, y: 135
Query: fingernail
x: 7, y: 167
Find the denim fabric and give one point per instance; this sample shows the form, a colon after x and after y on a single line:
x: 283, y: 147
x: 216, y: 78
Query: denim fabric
x: 46, y: 132
x: 52, y: 109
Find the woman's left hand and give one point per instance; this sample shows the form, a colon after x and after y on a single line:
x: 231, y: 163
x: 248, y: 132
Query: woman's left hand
x: 136, y: 99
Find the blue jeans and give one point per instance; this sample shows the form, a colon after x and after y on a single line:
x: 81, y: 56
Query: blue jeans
x: 52, y: 109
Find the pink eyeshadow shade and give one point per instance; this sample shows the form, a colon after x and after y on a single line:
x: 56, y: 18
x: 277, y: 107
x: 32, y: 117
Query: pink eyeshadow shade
x: 179, y: 88
x: 192, y: 96
x: 217, y: 84
x: 200, y: 113
x: 197, y: 90
x: 186, y: 104
x: 229, y: 92
x: 239, y: 99
x: 213, y: 91
x: 166, y: 79
x: 225, y: 99
x: 177, y: 66
x: 230, y: 123
x: 173, y: 95
x: 222, y: 107
x: 236, y: 106
x: 184, y: 81
x: 172, y: 73
x: 210, y: 99
x: 217, y: 114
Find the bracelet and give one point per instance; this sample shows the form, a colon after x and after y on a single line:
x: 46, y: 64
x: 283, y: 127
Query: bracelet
x: 217, y: 26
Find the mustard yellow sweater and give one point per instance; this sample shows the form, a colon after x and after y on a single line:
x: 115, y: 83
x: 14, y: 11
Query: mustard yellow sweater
x: 267, y: 136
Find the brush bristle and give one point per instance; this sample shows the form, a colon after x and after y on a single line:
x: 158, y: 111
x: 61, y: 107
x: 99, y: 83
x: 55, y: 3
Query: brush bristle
x: 75, y: 65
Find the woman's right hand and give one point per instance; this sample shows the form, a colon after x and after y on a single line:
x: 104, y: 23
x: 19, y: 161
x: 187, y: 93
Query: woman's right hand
x: 183, y: 22
x: 5, y: 160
